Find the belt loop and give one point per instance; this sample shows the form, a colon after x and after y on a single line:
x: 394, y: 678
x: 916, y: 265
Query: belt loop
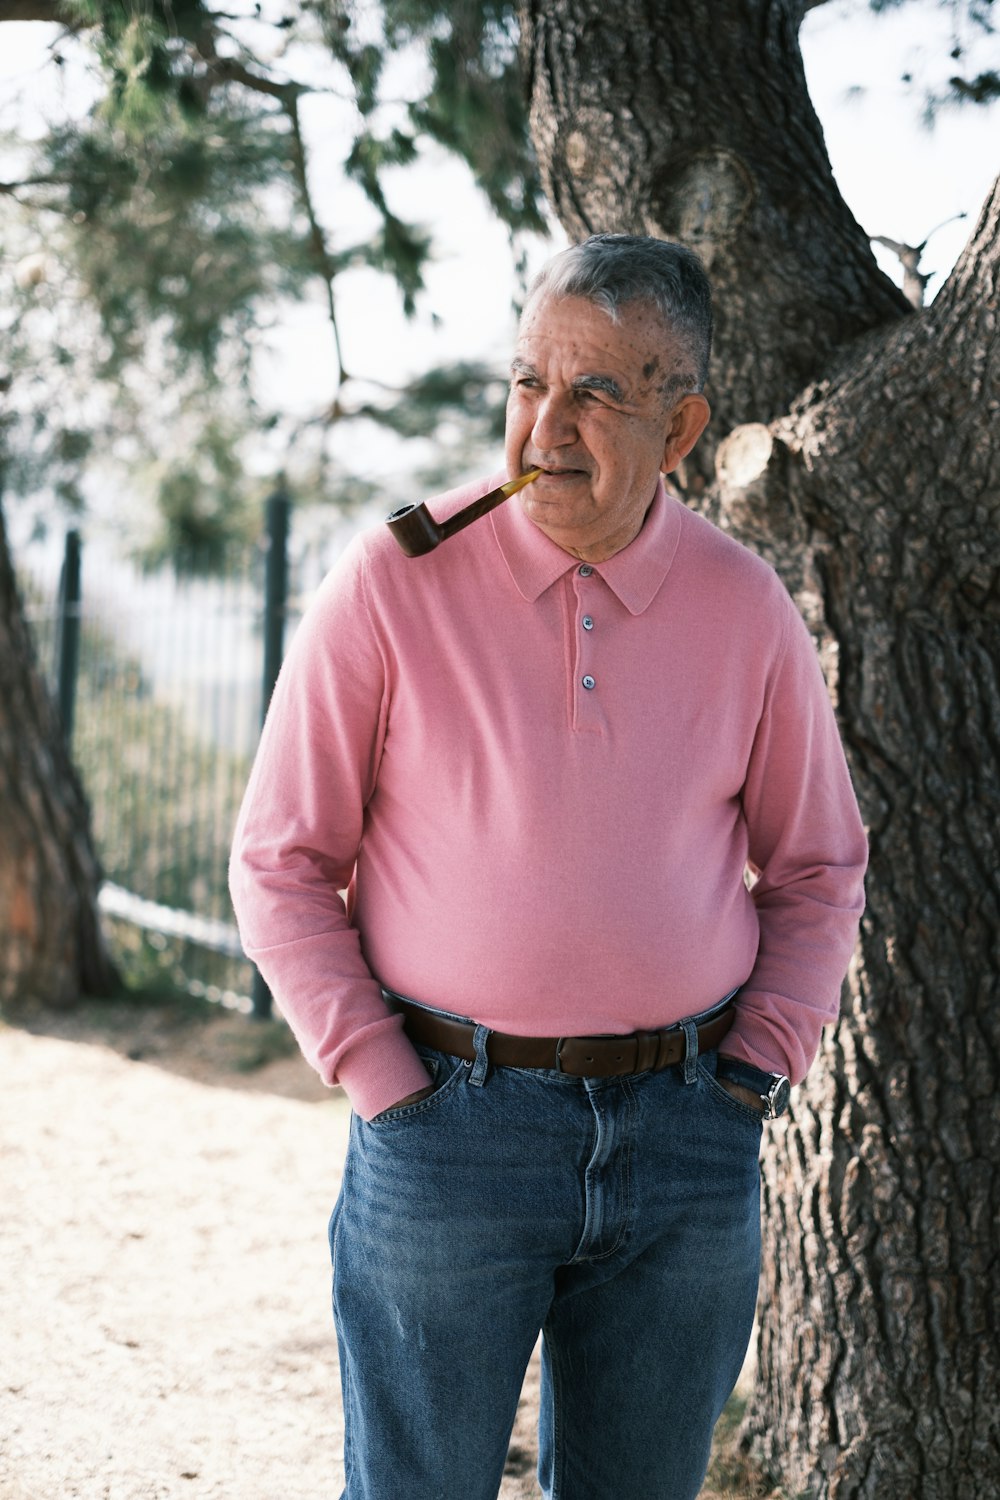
x: 690, y: 1031
x: 480, y: 1067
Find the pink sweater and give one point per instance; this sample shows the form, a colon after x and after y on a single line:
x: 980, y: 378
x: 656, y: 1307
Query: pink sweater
x: 541, y: 785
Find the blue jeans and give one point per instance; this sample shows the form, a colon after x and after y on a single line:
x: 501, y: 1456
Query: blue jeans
x: 618, y: 1216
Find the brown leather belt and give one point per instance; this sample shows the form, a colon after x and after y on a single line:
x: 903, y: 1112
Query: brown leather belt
x: 580, y: 1056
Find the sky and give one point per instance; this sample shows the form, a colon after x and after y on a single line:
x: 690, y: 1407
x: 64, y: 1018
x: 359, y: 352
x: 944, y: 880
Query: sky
x: 899, y: 178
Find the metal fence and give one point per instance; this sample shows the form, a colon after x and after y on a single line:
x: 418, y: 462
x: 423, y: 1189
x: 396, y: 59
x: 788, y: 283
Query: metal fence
x: 161, y: 682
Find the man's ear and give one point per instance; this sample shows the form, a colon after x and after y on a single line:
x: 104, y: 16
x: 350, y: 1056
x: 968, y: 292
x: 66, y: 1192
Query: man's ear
x: 688, y: 421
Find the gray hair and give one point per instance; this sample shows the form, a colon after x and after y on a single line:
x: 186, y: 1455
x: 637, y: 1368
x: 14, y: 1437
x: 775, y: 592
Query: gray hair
x: 613, y: 269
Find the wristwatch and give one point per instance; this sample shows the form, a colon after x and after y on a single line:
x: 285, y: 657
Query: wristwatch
x: 773, y: 1089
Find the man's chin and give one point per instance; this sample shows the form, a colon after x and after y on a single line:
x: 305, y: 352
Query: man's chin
x: 564, y: 517
x: 557, y: 505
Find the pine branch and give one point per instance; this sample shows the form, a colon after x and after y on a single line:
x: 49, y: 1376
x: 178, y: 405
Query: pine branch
x: 320, y: 249
x: 914, y: 280
x: 228, y: 70
x: 11, y: 189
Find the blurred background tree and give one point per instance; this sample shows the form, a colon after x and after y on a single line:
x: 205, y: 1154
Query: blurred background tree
x: 165, y: 228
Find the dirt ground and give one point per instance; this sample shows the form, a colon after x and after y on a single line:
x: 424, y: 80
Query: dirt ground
x: 165, y: 1180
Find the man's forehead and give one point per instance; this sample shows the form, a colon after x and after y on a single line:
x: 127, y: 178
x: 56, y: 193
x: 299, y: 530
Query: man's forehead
x: 584, y: 334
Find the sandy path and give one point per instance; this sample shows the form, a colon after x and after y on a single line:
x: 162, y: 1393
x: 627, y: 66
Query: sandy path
x: 164, y: 1281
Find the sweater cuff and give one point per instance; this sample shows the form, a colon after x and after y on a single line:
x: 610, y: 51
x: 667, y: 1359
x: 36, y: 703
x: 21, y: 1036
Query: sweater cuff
x: 379, y: 1071
x: 750, y: 1040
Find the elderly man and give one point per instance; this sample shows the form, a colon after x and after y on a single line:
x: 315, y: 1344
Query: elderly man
x: 578, y: 772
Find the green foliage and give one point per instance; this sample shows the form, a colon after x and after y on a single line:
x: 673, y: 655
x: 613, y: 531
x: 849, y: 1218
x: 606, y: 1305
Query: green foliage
x: 176, y: 237
x: 46, y: 435
x: 398, y: 249
x: 158, y: 970
x: 971, y: 22
x: 164, y: 802
x: 163, y: 251
x: 402, y: 251
x: 475, y: 105
x: 469, y: 391
x: 370, y: 155
x: 982, y: 89
x: 363, y: 61
x: 163, y: 799
x: 177, y: 219
x: 204, y: 504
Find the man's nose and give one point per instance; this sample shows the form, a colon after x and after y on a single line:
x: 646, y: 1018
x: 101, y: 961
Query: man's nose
x: 555, y: 421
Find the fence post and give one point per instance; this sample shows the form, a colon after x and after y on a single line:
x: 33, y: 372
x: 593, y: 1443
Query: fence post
x: 275, y: 602
x: 275, y: 593
x: 68, y: 633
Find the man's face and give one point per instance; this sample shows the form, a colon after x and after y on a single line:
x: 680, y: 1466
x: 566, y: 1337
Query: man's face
x: 586, y: 405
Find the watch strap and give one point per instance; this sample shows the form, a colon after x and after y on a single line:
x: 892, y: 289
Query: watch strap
x: 745, y: 1073
x: 772, y: 1088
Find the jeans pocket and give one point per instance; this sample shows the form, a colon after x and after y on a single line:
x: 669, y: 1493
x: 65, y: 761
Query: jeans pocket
x: 445, y: 1072
x: 721, y: 1096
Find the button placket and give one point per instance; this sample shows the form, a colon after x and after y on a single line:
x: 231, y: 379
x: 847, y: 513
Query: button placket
x: 588, y: 680
x: 586, y: 689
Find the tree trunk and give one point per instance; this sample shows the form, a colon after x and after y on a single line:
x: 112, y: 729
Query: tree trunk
x: 889, y: 1172
x: 52, y: 947
x: 857, y: 445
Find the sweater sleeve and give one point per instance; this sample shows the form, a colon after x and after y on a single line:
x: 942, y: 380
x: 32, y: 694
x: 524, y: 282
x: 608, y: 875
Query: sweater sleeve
x: 297, y: 841
x: 808, y: 847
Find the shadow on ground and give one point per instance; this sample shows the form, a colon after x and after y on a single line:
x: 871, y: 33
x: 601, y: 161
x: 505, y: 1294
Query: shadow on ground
x: 192, y: 1038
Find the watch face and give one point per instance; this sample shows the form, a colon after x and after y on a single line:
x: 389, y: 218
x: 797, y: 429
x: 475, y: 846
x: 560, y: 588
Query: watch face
x: 778, y: 1096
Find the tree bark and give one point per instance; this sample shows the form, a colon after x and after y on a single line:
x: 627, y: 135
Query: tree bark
x: 856, y: 443
x: 52, y: 948
x: 880, y: 1347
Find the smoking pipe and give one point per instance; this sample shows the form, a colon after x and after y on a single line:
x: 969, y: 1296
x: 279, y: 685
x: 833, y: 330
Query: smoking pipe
x: 417, y: 532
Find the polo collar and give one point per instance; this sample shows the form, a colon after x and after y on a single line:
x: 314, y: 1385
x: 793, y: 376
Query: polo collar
x: 634, y: 574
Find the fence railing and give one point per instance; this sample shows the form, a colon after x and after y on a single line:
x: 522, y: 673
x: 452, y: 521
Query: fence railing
x: 161, y: 682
